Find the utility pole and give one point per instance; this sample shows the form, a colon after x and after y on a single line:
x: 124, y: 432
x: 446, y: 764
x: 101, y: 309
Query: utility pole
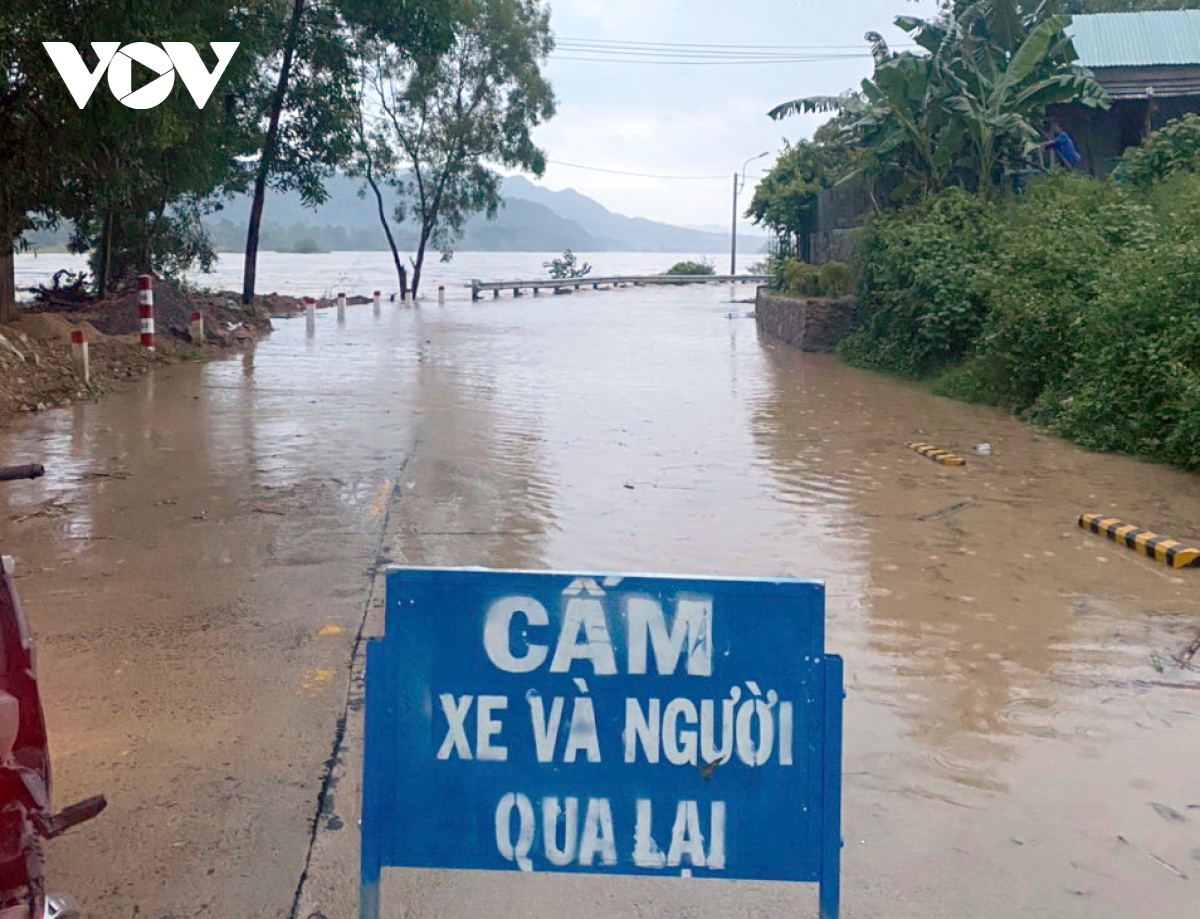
x: 733, y: 231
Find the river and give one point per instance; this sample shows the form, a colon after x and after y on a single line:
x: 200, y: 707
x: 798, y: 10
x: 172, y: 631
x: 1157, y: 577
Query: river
x: 325, y: 274
x: 1019, y: 740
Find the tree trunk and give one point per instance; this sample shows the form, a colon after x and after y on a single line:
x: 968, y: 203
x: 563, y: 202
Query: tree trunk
x: 420, y: 259
x: 401, y: 271
x: 106, y: 246
x: 8, y: 283
x: 268, y: 153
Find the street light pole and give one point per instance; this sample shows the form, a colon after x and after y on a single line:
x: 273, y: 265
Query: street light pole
x: 733, y: 232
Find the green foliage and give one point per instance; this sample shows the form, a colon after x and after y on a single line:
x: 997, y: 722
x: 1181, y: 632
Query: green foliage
x: 836, y: 280
x: 307, y: 104
x: 567, y: 267
x: 306, y: 245
x: 785, y: 200
x: 444, y: 125
x: 967, y: 106
x: 704, y: 266
x: 832, y: 279
x: 925, y: 274
x: 801, y: 278
x: 1084, y: 307
x: 1174, y: 148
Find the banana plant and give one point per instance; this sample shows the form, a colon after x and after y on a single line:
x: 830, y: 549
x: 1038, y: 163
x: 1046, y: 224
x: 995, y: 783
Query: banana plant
x: 999, y: 97
x: 968, y: 103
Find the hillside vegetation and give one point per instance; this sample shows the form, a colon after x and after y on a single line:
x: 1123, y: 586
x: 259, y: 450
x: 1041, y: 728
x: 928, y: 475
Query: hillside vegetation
x: 1076, y: 305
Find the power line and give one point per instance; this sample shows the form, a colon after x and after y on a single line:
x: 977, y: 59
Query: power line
x: 713, y: 62
x: 685, y: 53
x: 639, y: 175
x: 646, y: 175
x: 724, y: 46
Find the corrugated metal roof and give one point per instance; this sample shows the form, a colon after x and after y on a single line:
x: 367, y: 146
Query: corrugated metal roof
x: 1161, y: 37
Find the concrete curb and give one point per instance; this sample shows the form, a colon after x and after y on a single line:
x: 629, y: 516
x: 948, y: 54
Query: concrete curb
x: 1160, y: 548
x: 945, y: 457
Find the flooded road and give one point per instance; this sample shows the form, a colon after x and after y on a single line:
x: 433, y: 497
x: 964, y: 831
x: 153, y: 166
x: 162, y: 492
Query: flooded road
x: 203, y: 554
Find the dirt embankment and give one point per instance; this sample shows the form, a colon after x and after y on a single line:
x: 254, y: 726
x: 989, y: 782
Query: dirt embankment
x: 37, y: 370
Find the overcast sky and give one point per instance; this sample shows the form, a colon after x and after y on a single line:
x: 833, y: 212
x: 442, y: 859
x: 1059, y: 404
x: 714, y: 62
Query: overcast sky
x: 685, y: 120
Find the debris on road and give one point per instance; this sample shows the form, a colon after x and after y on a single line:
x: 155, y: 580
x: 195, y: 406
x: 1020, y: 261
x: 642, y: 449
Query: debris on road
x: 1168, y: 813
x: 945, y: 512
x: 1154, y: 858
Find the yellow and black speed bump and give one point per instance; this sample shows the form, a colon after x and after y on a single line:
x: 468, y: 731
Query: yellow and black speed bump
x: 1160, y: 548
x: 945, y: 457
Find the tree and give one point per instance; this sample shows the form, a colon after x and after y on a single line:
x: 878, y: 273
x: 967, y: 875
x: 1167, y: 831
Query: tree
x: 446, y: 123
x: 33, y: 106
x: 567, y: 266
x: 141, y: 183
x: 967, y: 107
x: 311, y: 113
x: 131, y: 181
x: 374, y: 159
x: 786, y: 198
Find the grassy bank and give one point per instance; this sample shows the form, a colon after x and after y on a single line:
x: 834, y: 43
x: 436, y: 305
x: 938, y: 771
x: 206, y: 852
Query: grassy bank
x: 1076, y: 306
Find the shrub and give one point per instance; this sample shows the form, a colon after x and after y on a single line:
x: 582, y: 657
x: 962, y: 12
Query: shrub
x: 801, y: 278
x: 567, y: 267
x: 1174, y: 148
x: 925, y: 273
x: 1079, y: 307
x: 704, y: 266
x: 835, y: 280
x: 306, y: 245
x: 1055, y: 256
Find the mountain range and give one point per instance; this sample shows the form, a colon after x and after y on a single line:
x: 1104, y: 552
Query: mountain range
x: 532, y: 219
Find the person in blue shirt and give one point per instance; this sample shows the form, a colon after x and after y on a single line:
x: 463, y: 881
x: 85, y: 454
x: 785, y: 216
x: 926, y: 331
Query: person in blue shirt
x: 1064, y: 148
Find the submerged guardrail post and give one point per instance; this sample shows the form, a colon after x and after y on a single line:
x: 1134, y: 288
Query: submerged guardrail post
x: 310, y: 316
x: 341, y: 307
x: 378, y: 295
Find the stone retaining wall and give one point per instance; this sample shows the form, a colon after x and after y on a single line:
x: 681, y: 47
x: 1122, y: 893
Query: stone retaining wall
x: 810, y: 324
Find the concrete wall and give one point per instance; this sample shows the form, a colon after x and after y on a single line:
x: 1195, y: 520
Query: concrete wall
x: 806, y: 323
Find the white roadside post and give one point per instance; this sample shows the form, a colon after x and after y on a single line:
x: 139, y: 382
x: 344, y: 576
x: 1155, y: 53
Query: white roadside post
x: 341, y: 307
x: 441, y: 295
x: 79, y: 351
x: 378, y: 295
x: 310, y: 315
x: 197, y: 330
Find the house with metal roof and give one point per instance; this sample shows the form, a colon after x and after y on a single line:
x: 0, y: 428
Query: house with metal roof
x: 1149, y: 63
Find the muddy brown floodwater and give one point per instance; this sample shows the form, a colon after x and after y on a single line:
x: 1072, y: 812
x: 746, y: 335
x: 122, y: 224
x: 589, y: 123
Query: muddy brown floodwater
x: 204, y: 551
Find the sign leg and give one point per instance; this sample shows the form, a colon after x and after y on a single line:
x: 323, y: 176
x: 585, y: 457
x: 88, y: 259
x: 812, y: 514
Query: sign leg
x: 831, y: 857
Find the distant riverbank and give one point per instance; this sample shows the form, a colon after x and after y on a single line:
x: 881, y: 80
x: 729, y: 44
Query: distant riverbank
x: 323, y: 274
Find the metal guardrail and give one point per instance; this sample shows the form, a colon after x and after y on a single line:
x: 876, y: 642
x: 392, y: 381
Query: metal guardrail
x: 539, y: 284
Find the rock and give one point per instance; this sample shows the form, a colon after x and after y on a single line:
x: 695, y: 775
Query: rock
x: 8, y: 346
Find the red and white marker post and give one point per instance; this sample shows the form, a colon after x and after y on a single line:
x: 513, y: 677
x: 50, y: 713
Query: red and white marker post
x: 146, y: 309
x: 197, y: 328
x: 79, y: 351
